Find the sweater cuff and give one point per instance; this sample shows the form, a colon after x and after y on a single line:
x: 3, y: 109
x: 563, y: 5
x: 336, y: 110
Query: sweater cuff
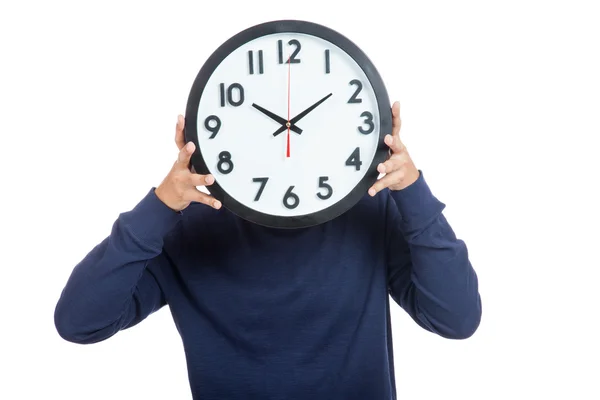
x: 417, y: 205
x: 151, y: 219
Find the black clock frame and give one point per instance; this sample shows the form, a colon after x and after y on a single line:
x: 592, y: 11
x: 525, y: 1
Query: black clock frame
x: 385, y: 123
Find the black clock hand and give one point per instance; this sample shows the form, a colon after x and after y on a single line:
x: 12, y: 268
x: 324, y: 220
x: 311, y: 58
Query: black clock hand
x: 301, y: 115
x: 277, y: 118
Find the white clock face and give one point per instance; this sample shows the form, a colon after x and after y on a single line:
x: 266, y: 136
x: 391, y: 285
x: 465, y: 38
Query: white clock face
x: 255, y: 91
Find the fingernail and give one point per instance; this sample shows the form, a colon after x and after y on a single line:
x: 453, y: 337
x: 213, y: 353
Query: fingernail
x: 209, y: 179
x: 190, y: 147
x: 389, y: 139
x: 372, y: 192
x: 217, y: 204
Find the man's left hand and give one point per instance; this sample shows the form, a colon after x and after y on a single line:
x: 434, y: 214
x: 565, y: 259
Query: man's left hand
x: 399, y: 169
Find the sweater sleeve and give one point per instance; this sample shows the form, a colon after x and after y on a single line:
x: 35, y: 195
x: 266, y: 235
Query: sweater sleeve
x: 429, y: 272
x: 114, y: 286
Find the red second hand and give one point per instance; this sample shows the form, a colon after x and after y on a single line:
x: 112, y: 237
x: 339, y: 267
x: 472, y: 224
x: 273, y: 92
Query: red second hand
x: 288, y: 123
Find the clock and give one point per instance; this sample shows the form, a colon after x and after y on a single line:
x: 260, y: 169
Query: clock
x: 289, y: 117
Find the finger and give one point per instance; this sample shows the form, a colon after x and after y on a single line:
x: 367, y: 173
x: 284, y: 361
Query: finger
x: 388, y: 180
x: 394, y: 163
x: 201, y: 180
x: 179, y: 137
x: 396, y: 122
x: 183, y: 159
x: 394, y: 143
x: 195, y: 195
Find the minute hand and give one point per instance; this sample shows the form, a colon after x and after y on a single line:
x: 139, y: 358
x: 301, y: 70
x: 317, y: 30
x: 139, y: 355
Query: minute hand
x: 302, y: 114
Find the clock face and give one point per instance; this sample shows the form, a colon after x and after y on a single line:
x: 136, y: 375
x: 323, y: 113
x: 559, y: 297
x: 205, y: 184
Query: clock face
x: 289, y: 117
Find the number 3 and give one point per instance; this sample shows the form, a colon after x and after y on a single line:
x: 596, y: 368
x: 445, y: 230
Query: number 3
x: 369, y: 121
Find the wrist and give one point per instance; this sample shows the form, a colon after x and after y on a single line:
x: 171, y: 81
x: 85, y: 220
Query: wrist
x: 150, y: 220
x: 163, y: 195
x: 417, y: 204
x: 409, y: 179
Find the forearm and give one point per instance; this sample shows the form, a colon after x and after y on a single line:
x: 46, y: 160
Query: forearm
x: 442, y: 294
x: 112, y: 288
x: 446, y: 296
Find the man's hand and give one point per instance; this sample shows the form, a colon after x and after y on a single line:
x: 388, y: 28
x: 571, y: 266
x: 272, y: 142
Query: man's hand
x: 178, y: 189
x: 399, y: 169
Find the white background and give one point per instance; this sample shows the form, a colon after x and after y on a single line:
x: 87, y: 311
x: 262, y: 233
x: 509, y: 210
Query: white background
x: 500, y: 108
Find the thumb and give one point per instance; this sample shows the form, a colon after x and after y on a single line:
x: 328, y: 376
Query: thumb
x: 179, y: 135
x: 396, y: 122
x: 185, y: 154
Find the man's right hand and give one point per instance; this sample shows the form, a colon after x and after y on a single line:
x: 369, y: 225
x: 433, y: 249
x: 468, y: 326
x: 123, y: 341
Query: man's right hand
x: 178, y: 189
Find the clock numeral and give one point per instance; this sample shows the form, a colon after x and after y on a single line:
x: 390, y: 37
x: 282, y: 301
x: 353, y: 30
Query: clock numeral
x: 369, y: 121
x: 213, y: 129
x: 354, y: 98
x: 225, y: 165
x: 251, y: 62
x: 230, y: 98
x: 326, y: 186
x: 263, y: 183
x: 292, y: 59
x: 222, y: 91
x: 354, y: 159
x: 327, y: 62
x: 290, y: 199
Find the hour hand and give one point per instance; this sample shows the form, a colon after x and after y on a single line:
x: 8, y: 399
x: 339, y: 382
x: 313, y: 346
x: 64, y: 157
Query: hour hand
x: 302, y: 114
x: 277, y: 118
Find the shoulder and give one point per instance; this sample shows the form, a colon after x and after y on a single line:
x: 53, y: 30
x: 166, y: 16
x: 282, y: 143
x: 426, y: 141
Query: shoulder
x: 372, y: 206
x: 370, y: 214
x: 198, y: 225
x: 199, y: 220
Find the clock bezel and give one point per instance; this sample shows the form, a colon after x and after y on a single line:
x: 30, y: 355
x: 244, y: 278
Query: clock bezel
x: 383, y: 104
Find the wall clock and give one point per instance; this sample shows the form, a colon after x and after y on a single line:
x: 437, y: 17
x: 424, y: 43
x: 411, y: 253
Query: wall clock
x: 289, y: 116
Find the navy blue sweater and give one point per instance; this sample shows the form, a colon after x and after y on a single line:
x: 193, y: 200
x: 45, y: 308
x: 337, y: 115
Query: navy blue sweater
x: 279, y: 314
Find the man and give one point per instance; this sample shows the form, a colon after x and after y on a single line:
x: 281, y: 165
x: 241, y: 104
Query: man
x: 272, y: 313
